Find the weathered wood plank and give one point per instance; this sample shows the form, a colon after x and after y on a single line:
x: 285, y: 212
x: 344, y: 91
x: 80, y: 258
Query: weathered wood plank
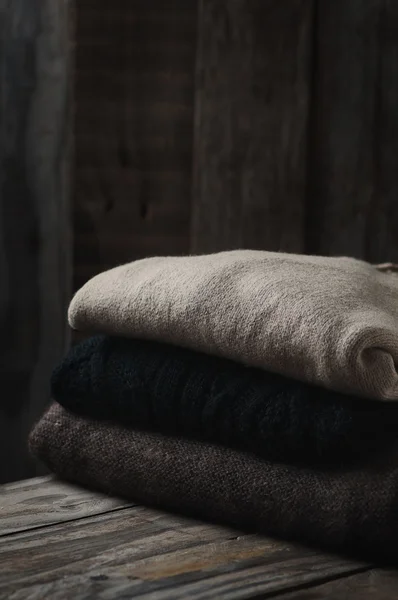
x: 178, y: 565
x: 251, y: 114
x: 241, y: 568
x: 143, y: 553
x: 352, y: 206
x: 106, y: 542
x: 382, y: 242
x: 373, y: 585
x: 134, y: 114
x: 44, y: 500
x: 35, y: 259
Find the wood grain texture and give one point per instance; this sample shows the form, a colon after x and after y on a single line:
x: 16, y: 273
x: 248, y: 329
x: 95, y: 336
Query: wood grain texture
x: 109, y: 544
x: 42, y: 501
x: 238, y: 580
x: 35, y: 259
x: 382, y: 241
x: 352, y: 208
x: 251, y: 111
x: 143, y: 553
x: 134, y: 551
x: 134, y: 112
x: 372, y: 585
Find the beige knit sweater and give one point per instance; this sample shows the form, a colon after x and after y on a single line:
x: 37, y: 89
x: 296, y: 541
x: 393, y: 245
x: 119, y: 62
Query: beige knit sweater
x: 330, y: 321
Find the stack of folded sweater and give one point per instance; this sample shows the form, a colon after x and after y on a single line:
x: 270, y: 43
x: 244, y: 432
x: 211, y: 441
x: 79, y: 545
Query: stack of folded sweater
x: 250, y: 387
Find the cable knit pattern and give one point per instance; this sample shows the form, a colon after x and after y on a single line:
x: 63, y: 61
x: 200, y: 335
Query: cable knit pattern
x: 350, y: 509
x: 327, y: 321
x: 165, y: 388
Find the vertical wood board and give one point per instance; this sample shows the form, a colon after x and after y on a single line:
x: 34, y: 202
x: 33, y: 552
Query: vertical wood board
x: 251, y: 114
x: 35, y: 259
x: 353, y: 206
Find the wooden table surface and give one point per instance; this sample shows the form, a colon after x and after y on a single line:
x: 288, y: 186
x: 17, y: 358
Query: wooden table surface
x: 59, y: 541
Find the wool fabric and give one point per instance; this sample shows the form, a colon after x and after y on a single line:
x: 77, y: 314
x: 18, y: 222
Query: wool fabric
x: 327, y: 321
x: 165, y: 388
x: 353, y: 509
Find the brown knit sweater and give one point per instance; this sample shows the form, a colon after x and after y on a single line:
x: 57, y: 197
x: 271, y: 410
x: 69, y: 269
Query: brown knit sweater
x: 351, y: 509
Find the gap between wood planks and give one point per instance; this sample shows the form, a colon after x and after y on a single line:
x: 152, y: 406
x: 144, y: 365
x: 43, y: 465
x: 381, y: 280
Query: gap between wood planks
x: 72, y: 519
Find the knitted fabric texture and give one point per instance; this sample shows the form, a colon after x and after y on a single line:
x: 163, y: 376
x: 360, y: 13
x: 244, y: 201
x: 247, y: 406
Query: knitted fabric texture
x: 353, y: 509
x: 329, y: 321
x: 172, y: 390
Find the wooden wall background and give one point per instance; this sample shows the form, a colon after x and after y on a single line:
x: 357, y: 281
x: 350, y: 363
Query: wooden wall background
x: 199, y: 125
x: 134, y: 111
x: 35, y: 232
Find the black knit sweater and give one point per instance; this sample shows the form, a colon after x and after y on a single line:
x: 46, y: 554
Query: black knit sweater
x: 172, y: 390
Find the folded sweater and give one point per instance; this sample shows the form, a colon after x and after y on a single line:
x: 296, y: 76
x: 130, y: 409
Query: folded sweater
x: 172, y: 390
x: 352, y: 509
x: 329, y: 321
